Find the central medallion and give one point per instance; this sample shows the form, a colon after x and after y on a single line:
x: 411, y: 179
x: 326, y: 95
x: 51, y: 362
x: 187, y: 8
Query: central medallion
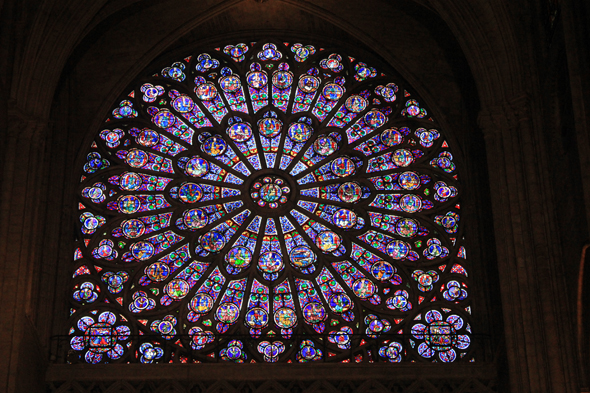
x: 270, y: 191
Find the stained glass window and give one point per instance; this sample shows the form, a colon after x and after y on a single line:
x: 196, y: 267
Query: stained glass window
x: 270, y: 202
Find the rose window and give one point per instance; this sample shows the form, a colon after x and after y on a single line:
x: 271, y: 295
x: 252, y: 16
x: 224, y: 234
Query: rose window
x: 269, y: 202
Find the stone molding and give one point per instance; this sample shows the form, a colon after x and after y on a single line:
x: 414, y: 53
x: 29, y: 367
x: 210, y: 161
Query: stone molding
x: 495, y: 120
x: 524, y: 218
x: 279, y: 378
x: 25, y: 127
x: 421, y: 385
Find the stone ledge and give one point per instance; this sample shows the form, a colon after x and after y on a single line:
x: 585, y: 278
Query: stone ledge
x: 260, y: 372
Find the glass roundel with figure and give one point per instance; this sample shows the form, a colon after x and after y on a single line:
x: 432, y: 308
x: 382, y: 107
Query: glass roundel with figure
x: 269, y: 202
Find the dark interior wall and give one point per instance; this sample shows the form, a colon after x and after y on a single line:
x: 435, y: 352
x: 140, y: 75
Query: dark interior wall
x: 65, y: 62
x: 565, y: 171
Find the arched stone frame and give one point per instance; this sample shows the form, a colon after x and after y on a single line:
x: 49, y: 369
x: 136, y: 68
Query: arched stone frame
x: 464, y: 19
x: 220, y: 40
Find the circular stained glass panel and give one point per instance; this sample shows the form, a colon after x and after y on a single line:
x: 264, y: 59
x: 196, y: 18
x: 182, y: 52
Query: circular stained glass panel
x: 257, y: 318
x: 409, y: 180
x: 314, y: 313
x: 239, y: 257
x: 177, y: 289
x: 270, y: 262
x: 282, y: 79
x: 285, y: 318
x: 308, y: 84
x: 130, y: 181
x: 227, y: 313
x: 240, y: 132
x: 206, y: 91
x: 157, y: 271
x: 201, y: 303
x: 257, y: 80
x: 136, y: 158
x: 190, y: 193
x: 230, y: 84
x: 349, y: 192
x: 213, y: 241
x: 247, y: 196
x: 195, y: 218
x: 197, y: 167
x: 302, y: 256
x: 214, y: 146
x: 299, y: 132
x: 356, y: 104
x: 270, y: 127
x: 325, y: 145
x: 133, y: 228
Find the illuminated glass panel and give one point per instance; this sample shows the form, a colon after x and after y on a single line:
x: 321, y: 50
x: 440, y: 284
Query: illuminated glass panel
x: 270, y: 202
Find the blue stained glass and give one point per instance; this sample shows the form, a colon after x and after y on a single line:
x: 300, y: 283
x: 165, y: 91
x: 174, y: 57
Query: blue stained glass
x: 404, y: 227
x: 307, y: 88
x: 255, y: 161
x: 361, y: 286
x: 258, y: 89
x: 178, y: 288
x: 206, y: 296
x: 408, y: 203
x: 134, y: 228
x: 376, y: 144
x: 241, y: 217
x: 231, y: 206
x: 286, y: 225
x: 255, y: 224
x: 257, y: 314
x: 335, y: 296
x: 215, y: 146
x: 309, y: 178
x: 298, y: 168
x: 270, y: 159
x: 209, y: 96
x: 131, y: 181
x: 270, y: 227
x: 242, y: 168
x: 270, y: 243
x: 311, y: 192
x: 285, y: 316
x: 130, y: 204
x: 348, y: 111
x: 331, y: 93
x: 230, y: 178
x: 228, y: 311
x: 300, y: 218
x: 229, y: 192
x: 158, y: 142
x: 309, y: 206
x: 215, y: 173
